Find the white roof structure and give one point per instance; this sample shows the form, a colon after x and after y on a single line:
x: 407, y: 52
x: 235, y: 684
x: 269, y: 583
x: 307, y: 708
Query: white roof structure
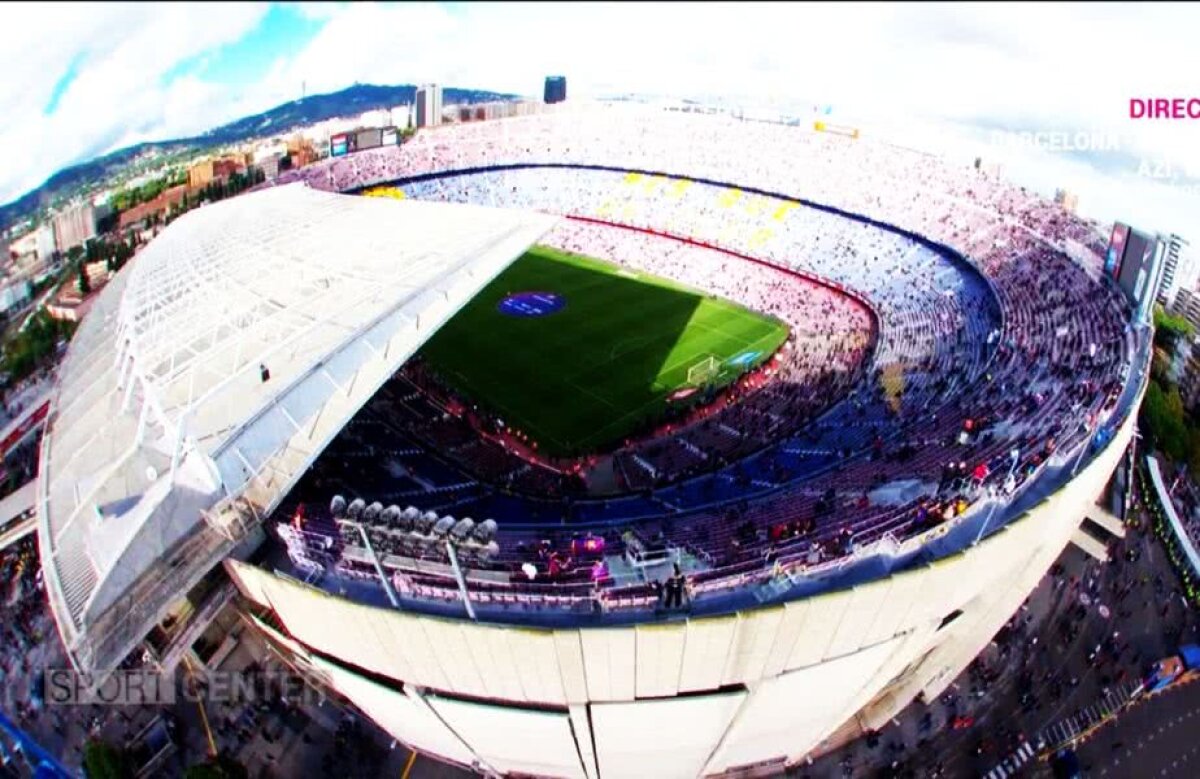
x: 166, y: 441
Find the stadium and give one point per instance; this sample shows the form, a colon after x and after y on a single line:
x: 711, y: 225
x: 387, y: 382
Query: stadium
x: 572, y: 444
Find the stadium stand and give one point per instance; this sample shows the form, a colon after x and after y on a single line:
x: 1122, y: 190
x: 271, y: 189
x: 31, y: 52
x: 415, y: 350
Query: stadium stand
x: 936, y: 307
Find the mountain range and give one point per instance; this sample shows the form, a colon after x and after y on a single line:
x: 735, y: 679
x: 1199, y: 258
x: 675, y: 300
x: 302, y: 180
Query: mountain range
x: 308, y: 110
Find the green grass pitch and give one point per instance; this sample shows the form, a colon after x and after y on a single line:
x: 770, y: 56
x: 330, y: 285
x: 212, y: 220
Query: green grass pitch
x: 588, y: 375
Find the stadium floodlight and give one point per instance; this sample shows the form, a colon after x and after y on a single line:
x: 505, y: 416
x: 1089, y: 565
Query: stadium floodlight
x: 372, y: 512
x: 462, y: 529
x: 485, y: 531
x: 390, y: 516
x: 407, y: 518
x: 425, y: 522
x: 355, y: 534
x: 337, y: 506
x: 443, y: 526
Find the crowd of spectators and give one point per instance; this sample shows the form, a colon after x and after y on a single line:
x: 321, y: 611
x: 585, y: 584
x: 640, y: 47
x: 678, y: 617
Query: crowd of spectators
x: 24, y: 619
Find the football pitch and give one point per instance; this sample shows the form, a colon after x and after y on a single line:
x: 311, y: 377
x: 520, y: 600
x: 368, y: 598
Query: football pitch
x: 578, y: 353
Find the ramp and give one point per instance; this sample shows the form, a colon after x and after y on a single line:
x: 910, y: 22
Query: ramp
x: 1090, y: 545
x: 1108, y: 521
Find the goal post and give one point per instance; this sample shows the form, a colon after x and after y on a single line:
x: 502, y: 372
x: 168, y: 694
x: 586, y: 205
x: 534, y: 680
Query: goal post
x: 703, y: 372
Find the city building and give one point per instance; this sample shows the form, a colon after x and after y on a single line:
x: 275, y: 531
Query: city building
x: 1181, y: 268
x: 25, y: 245
x: 1067, y: 199
x: 69, y: 308
x: 74, y: 225
x: 69, y: 304
x: 269, y: 165
x: 34, y: 246
x: 202, y: 173
x: 1185, y: 371
x: 429, y: 105
x: 15, y: 295
x: 45, y: 243
x: 1185, y: 360
x: 1187, y: 305
x: 555, y: 90
x: 300, y: 151
x: 499, y: 109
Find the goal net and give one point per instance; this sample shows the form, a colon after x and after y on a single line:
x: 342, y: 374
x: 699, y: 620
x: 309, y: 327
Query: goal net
x: 703, y: 372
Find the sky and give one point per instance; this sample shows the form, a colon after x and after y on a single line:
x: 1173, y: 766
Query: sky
x: 83, y: 80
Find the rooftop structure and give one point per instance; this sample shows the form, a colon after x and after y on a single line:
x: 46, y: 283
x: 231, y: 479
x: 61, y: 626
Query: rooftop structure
x: 215, y: 368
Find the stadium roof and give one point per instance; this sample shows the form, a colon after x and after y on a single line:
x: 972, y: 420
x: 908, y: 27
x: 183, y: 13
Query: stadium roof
x: 214, y: 369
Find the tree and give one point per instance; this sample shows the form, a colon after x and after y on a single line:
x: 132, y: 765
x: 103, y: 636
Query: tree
x: 81, y: 280
x: 1170, y: 330
x: 1160, y: 365
x: 102, y: 760
x: 222, y: 767
x: 1165, y: 423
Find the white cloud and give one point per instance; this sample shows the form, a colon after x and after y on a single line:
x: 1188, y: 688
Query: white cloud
x: 318, y: 12
x: 1023, y: 65
x: 123, y: 51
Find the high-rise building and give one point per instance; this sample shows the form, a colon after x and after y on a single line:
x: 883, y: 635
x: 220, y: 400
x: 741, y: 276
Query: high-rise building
x: 45, y: 243
x: 556, y: 89
x: 74, y: 225
x: 1187, y: 305
x: 1181, y: 268
x: 429, y: 105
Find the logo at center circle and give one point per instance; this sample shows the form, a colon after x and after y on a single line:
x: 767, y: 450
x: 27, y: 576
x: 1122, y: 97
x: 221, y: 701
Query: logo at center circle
x: 527, y: 304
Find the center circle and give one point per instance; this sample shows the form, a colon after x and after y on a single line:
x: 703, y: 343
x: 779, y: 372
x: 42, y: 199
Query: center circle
x: 529, y: 304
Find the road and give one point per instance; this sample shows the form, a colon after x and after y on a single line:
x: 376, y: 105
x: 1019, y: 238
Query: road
x: 1156, y: 739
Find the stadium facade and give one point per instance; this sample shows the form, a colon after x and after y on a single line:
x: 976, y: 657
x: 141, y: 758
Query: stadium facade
x: 218, y: 366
